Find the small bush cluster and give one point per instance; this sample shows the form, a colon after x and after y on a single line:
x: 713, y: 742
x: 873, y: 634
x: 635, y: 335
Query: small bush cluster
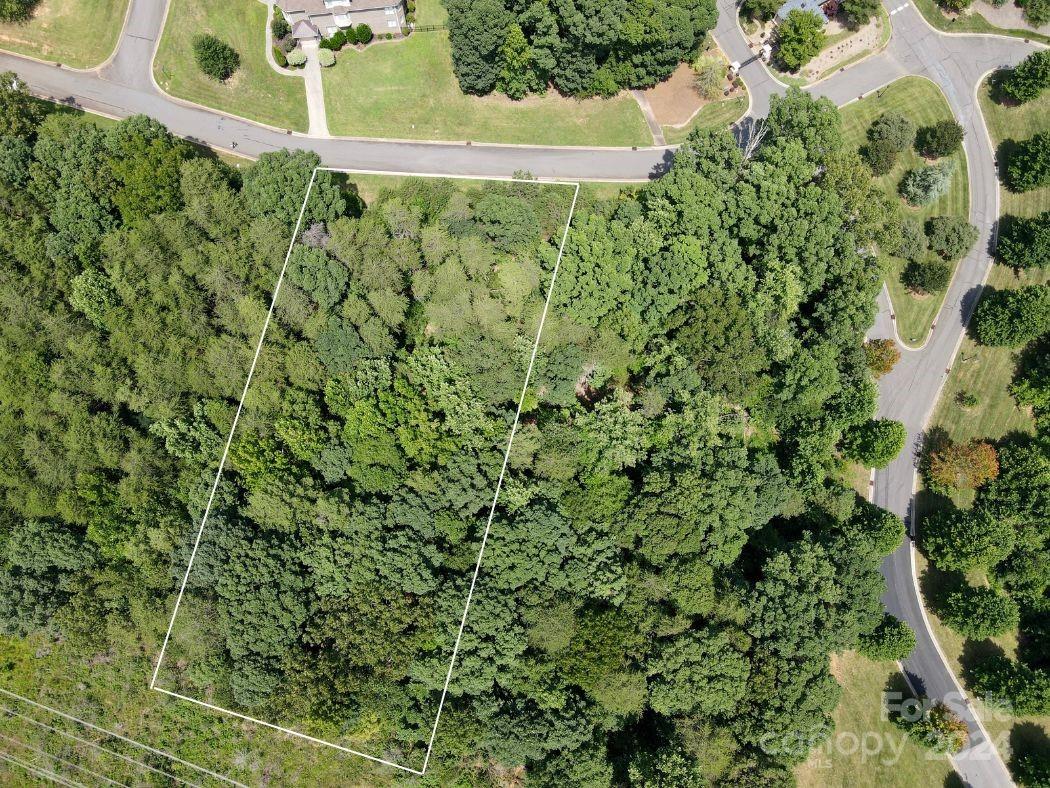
x: 296, y: 58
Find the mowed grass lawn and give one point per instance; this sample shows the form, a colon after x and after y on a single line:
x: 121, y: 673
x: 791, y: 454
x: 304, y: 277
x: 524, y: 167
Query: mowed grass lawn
x: 867, y: 750
x: 255, y: 91
x: 718, y: 115
x: 78, y: 33
x: 1016, y: 123
x: 407, y: 90
x: 921, y: 101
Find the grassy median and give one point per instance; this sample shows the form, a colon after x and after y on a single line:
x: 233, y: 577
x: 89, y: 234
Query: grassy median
x: 922, y: 101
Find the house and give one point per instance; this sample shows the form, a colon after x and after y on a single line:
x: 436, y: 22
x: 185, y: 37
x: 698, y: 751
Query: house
x: 329, y: 16
x: 305, y: 30
x: 826, y: 8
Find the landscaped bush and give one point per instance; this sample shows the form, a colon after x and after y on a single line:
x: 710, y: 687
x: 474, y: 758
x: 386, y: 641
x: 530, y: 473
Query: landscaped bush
x: 334, y: 43
x: 943, y: 138
x: 215, y: 58
x: 279, y: 57
x: 955, y: 6
x: 1024, y: 243
x: 1029, y: 165
x: 1029, y: 79
x: 927, y: 277
x: 296, y: 58
x: 940, y: 729
x: 363, y: 33
x: 279, y: 26
x: 914, y: 244
x: 801, y: 38
x: 880, y: 155
x: 923, y: 185
x: 326, y: 57
x: 895, y: 129
x: 950, y: 236
x: 1012, y: 318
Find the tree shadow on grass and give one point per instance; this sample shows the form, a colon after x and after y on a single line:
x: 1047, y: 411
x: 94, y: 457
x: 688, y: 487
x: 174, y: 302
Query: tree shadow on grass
x: 1028, y: 740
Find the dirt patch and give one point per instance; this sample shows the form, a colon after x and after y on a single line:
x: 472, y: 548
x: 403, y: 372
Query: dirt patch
x: 675, y: 101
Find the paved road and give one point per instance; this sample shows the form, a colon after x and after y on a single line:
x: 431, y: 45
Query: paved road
x: 956, y: 63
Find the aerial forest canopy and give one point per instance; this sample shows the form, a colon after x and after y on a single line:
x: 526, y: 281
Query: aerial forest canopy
x: 673, y: 556
x: 582, y: 47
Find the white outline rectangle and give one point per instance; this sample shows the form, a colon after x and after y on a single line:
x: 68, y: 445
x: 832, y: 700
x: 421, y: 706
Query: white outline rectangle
x: 492, y: 508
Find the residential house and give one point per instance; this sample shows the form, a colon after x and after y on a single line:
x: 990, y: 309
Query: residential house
x: 827, y: 9
x: 329, y: 16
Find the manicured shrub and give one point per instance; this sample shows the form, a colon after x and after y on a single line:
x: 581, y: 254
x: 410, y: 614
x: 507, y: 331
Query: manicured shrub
x: 939, y: 729
x: 1029, y: 165
x: 874, y: 443
x: 927, y: 277
x: 363, y: 33
x: 923, y: 185
x: 350, y: 36
x: 215, y: 58
x: 296, y: 58
x: 1024, y: 243
x: 279, y: 57
x: 1012, y: 318
x: 979, y: 612
x: 335, y: 43
x: 967, y: 399
x: 943, y: 138
x: 892, y: 639
x: 801, y: 37
x: 279, y: 27
x: 950, y: 236
x: 1029, y: 79
x: 326, y: 57
x: 881, y: 355
x: 914, y: 244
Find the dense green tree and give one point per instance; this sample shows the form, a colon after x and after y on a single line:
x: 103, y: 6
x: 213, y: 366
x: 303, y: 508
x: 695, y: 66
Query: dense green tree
x: 892, y: 639
x: 1024, y: 690
x: 1029, y: 78
x: 19, y: 112
x: 17, y: 10
x: 978, y: 612
x: 967, y: 539
x: 950, y: 236
x: 939, y: 139
x: 875, y: 443
x: 215, y: 57
x: 1029, y: 164
x: 860, y: 12
x: 800, y: 38
x: 925, y: 184
x: 927, y: 277
x: 1024, y: 243
x: 1012, y: 318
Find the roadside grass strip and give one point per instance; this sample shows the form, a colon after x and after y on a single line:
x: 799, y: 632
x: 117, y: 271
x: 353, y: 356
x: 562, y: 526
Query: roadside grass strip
x: 180, y: 670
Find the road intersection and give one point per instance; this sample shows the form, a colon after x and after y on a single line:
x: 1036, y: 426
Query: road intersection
x: 124, y: 86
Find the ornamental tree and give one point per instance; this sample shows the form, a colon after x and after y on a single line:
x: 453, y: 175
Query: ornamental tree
x: 1029, y: 79
x: 801, y: 38
x: 961, y: 466
x: 940, y: 139
x: 967, y: 539
x: 1023, y: 242
x: 979, y: 612
x: 215, y: 57
x: 881, y: 356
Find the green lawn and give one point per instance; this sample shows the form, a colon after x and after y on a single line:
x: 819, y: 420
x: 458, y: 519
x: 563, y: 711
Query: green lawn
x: 866, y: 749
x: 718, y: 115
x: 78, y: 33
x: 407, y: 90
x: 1017, y: 123
x: 969, y: 23
x: 255, y: 91
x: 921, y: 101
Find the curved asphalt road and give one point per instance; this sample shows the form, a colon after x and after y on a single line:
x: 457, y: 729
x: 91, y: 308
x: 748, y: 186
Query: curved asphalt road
x: 124, y: 86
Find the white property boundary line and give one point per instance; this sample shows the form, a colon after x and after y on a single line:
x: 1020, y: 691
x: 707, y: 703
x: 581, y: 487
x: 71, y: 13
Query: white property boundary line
x: 122, y: 738
x: 492, y: 508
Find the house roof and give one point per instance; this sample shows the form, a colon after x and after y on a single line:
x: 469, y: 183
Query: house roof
x: 304, y: 28
x: 814, y: 6
x: 322, y: 8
